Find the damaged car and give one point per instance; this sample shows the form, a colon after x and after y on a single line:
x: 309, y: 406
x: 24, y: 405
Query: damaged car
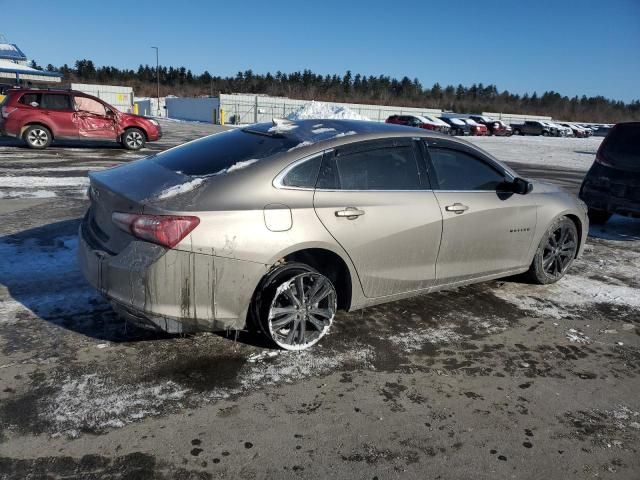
x: 278, y: 226
x: 41, y: 116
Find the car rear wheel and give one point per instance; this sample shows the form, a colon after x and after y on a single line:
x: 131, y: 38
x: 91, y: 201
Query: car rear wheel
x: 598, y: 217
x: 545, y: 134
x: 37, y: 136
x: 133, y: 139
x: 555, y: 253
x: 295, y: 306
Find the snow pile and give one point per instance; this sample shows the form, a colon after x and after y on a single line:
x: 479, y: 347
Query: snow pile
x: 94, y: 403
x: 237, y: 166
x: 325, y: 111
x: 415, y: 339
x: 181, y: 188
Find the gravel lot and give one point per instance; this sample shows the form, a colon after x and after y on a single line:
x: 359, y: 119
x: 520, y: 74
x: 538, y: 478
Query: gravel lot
x: 497, y: 380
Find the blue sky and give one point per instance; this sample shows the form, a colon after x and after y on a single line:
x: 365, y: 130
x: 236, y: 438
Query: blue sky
x: 574, y: 47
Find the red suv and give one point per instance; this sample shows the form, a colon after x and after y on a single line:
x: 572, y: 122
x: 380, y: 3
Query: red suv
x: 39, y: 116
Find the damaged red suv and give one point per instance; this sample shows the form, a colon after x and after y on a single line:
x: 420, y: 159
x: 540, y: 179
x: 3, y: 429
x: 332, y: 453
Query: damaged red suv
x: 39, y: 116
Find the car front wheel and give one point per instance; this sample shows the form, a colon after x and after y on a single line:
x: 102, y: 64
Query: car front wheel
x: 295, y: 306
x: 555, y: 253
x: 37, y: 136
x: 133, y: 139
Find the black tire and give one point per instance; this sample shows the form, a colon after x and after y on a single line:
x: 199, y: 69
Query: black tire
x: 37, y: 137
x: 270, y: 288
x: 545, y: 133
x: 598, y: 217
x: 517, y: 132
x: 541, y: 270
x: 133, y: 139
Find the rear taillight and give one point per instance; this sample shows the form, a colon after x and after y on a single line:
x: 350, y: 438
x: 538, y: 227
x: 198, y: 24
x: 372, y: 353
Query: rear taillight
x: 165, y: 230
x: 6, y: 111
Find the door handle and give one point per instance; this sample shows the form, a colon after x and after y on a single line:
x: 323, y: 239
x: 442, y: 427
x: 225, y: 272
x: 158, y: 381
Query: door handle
x: 458, y: 208
x: 350, y: 213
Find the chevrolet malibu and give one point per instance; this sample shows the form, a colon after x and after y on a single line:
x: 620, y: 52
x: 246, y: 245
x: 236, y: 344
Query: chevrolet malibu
x: 278, y: 226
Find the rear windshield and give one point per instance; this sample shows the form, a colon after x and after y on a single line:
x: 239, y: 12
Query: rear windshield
x: 217, y: 153
x: 622, y: 146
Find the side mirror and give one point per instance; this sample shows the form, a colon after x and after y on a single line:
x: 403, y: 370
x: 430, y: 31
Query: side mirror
x: 521, y: 186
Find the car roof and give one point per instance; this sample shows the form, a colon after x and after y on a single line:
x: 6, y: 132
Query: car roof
x: 337, y: 131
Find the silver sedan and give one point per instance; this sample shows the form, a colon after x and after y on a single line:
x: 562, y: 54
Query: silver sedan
x: 277, y: 226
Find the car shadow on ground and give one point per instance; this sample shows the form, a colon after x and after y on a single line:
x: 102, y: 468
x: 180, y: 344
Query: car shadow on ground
x: 563, y: 177
x: 617, y: 228
x: 41, y: 274
x: 15, y: 142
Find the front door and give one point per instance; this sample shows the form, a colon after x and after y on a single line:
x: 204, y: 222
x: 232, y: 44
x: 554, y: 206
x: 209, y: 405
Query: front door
x: 94, y: 120
x: 484, y: 229
x: 375, y: 201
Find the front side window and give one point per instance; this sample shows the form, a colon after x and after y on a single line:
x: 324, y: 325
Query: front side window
x: 303, y: 175
x: 85, y: 104
x: 457, y: 170
x: 391, y: 168
x: 52, y: 101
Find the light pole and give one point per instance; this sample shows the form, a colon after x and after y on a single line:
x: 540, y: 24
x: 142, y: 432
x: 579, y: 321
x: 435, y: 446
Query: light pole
x: 158, y: 80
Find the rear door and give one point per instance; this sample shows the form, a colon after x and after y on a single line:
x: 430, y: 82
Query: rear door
x: 375, y: 199
x: 58, y: 111
x: 484, y: 230
x: 93, y: 119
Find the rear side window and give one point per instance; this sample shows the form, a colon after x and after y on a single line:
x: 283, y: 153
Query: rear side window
x: 303, y: 175
x: 31, y: 99
x: 218, y: 153
x: 52, y: 101
x: 392, y: 168
x: 621, y: 148
x: 456, y: 170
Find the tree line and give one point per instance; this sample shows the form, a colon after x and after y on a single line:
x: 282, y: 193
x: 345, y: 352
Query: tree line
x: 382, y: 90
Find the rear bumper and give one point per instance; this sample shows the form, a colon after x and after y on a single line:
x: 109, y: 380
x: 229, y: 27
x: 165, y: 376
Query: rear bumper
x: 611, y: 190
x: 173, y: 290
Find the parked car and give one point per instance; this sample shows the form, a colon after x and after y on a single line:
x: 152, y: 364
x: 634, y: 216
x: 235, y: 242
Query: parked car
x: 531, y: 127
x: 575, y: 130
x: 612, y: 184
x: 417, y: 121
x: 477, y: 129
x: 280, y: 225
x: 458, y: 127
x: 602, y: 130
x: 40, y: 116
x: 494, y: 127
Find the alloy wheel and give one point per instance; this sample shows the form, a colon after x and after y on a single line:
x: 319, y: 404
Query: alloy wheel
x: 302, y: 311
x: 134, y: 140
x: 38, y: 137
x: 559, y: 250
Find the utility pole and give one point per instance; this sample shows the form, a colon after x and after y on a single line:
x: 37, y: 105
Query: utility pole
x: 158, y: 79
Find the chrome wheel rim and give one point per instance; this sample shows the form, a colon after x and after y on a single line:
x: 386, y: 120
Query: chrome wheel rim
x: 38, y: 137
x: 134, y: 139
x: 559, y: 251
x: 302, y: 311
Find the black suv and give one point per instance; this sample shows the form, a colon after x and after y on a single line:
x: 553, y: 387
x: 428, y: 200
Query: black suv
x: 612, y: 184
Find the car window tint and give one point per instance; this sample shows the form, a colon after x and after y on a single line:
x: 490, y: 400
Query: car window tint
x: 29, y: 98
x: 622, y: 146
x: 392, y: 168
x: 52, y: 101
x: 85, y: 104
x: 303, y: 175
x: 458, y: 170
x: 217, y: 153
